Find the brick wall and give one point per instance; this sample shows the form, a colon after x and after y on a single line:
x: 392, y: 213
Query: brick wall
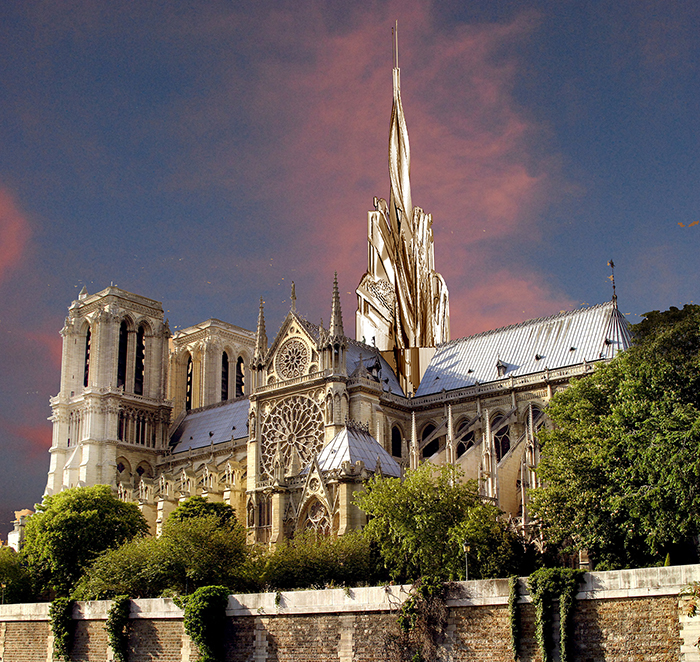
x: 623, y: 616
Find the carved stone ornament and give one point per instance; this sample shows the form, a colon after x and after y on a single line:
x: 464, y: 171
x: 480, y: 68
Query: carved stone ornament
x: 297, y: 424
x: 292, y: 359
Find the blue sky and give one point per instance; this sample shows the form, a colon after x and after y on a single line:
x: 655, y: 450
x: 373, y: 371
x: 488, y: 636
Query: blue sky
x: 206, y: 154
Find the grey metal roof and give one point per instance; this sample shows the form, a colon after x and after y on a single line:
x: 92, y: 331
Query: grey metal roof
x: 369, y: 354
x: 352, y: 444
x: 570, y: 338
x: 217, y: 423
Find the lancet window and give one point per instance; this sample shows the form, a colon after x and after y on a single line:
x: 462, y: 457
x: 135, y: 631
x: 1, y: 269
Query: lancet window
x: 140, y: 360
x: 188, y: 386
x: 396, y: 441
x: 86, y: 375
x: 501, y: 436
x: 224, y: 376
x: 240, y: 379
x: 122, y: 354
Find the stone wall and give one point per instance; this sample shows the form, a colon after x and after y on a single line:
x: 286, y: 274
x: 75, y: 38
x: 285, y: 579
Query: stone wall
x: 623, y: 616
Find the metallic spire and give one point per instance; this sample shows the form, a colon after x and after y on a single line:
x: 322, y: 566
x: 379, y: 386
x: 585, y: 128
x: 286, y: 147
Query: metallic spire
x: 611, y: 278
x: 294, y: 297
x: 336, y: 325
x: 260, y: 335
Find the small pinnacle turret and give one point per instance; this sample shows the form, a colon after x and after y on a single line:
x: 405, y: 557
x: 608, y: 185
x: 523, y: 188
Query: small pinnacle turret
x: 336, y: 325
x: 260, y: 336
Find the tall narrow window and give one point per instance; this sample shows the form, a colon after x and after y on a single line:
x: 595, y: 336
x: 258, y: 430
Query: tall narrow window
x: 432, y: 447
x: 86, y: 376
x: 224, y: 376
x: 140, y: 355
x: 396, y: 442
x: 121, y: 359
x: 240, y: 385
x: 188, y: 391
x: 501, y: 437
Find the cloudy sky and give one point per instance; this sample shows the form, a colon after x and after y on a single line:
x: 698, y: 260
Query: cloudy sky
x: 208, y: 153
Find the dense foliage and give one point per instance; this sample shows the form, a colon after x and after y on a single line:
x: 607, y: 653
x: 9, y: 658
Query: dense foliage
x: 205, y: 621
x: 117, y: 627
x: 71, y: 529
x: 312, y: 560
x: 421, y: 524
x: 61, y: 620
x: 14, y: 577
x: 194, y: 551
x: 621, y: 468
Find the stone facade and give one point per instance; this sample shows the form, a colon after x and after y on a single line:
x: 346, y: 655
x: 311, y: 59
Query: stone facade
x: 624, y: 616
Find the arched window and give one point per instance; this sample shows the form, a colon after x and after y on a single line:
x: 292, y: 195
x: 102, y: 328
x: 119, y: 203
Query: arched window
x: 466, y: 439
x: 396, y: 441
x: 501, y: 437
x: 188, y: 391
x: 317, y: 518
x: 240, y: 383
x: 224, y: 376
x: 86, y: 376
x: 140, y: 357
x: 434, y: 446
x: 121, y: 356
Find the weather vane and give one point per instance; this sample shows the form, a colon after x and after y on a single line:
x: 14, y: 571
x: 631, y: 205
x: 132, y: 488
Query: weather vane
x: 611, y: 278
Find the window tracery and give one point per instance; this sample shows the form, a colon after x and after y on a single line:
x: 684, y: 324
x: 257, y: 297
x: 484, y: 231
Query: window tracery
x: 295, y: 425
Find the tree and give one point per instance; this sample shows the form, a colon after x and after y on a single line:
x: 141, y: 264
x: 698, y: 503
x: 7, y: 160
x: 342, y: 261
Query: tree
x: 15, y: 582
x: 195, y: 550
x: 197, y: 506
x: 71, y: 529
x: 621, y: 468
x: 421, y: 524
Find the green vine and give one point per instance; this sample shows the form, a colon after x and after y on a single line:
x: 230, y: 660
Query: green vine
x: 205, y: 620
x: 513, y: 615
x: 117, y: 623
x: 421, y: 622
x: 691, y: 593
x: 61, y: 615
x: 546, y: 585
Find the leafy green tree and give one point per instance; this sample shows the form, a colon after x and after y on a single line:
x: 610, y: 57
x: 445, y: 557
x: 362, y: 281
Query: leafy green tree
x: 621, y: 468
x: 420, y: 526
x: 197, y: 506
x: 15, y: 582
x: 312, y: 560
x: 71, y: 529
x: 193, y: 551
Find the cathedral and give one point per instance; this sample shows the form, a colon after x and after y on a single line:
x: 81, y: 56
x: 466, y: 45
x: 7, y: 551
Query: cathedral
x: 287, y: 431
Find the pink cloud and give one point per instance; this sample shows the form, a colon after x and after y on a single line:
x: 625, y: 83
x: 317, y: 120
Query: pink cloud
x: 35, y: 439
x: 14, y: 233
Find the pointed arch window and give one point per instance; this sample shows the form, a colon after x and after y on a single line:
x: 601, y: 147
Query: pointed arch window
x: 396, y: 441
x: 224, y: 376
x: 140, y: 360
x: 240, y: 380
x: 434, y: 446
x: 121, y: 355
x: 501, y: 437
x: 466, y: 438
x: 86, y: 375
x: 188, y: 387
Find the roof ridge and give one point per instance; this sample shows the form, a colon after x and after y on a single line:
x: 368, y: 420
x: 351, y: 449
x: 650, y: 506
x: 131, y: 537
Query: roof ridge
x: 536, y: 320
x: 214, y: 405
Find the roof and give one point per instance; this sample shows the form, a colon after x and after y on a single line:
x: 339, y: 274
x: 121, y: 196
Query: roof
x: 354, y: 443
x: 356, y: 349
x: 569, y: 338
x: 216, y: 424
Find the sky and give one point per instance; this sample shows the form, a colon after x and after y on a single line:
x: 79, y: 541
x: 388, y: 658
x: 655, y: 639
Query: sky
x: 208, y: 153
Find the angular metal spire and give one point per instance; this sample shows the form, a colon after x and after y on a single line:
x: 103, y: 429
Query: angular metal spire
x: 336, y: 325
x: 260, y: 335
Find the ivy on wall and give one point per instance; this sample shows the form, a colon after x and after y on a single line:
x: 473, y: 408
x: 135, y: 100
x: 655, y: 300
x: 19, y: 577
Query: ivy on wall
x: 61, y: 618
x: 205, y: 620
x: 117, y: 627
x: 546, y: 585
x: 514, y: 616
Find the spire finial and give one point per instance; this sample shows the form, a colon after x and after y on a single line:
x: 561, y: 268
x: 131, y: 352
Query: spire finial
x: 294, y: 296
x: 395, y: 43
x: 611, y: 278
x: 261, y: 335
x: 336, y: 325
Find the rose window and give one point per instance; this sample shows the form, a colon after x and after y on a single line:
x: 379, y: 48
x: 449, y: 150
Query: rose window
x: 296, y: 425
x: 292, y: 359
x: 317, y: 518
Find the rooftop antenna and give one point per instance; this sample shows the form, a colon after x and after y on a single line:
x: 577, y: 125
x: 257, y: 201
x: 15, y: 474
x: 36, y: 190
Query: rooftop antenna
x: 395, y: 43
x: 611, y: 278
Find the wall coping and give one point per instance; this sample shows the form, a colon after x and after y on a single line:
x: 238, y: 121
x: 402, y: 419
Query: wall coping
x: 609, y: 585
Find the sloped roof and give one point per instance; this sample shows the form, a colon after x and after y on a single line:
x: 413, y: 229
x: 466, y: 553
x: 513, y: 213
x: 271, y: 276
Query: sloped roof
x: 356, y: 349
x: 570, y: 338
x: 217, y: 423
x: 352, y: 444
